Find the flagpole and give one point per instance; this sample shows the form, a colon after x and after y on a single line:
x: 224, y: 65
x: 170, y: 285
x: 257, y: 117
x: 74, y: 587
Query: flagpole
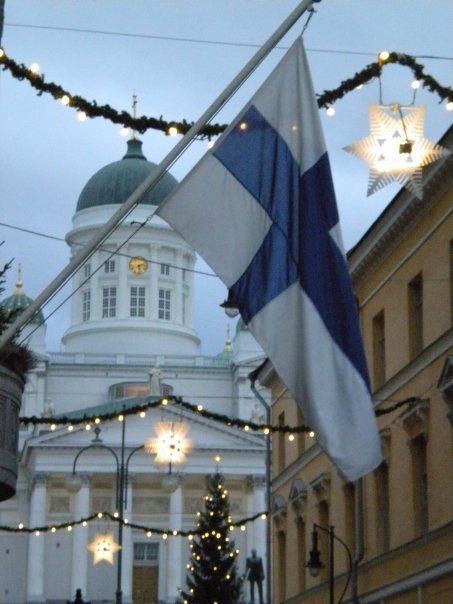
x: 143, y: 189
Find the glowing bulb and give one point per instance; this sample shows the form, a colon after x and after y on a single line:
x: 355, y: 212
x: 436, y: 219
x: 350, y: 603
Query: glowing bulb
x: 165, y: 401
x: 199, y: 407
x: 115, y: 514
x: 84, y: 523
x: 53, y: 427
x: 384, y: 55
x: 142, y: 414
x: 266, y: 431
x: 53, y: 530
x: 311, y: 434
x: 190, y: 537
x: 291, y: 437
x: 120, y: 418
x: 2, y: 53
x: 97, y: 420
x: 34, y: 68
x: 217, y: 459
x: 149, y: 534
x: 173, y: 131
x: 126, y: 521
x: 243, y: 528
x: 99, y: 514
x: 124, y: 131
x: 415, y: 85
x: 263, y: 516
x: 69, y: 528
x: 37, y: 533
x: 243, y: 126
x: 87, y: 427
x: 359, y: 87
x: 65, y: 100
x: 330, y: 111
x: 20, y: 526
x: 82, y: 116
x: 449, y: 106
x: 246, y: 428
x: 210, y: 144
x: 164, y: 536
x: 175, y: 533
x: 70, y: 428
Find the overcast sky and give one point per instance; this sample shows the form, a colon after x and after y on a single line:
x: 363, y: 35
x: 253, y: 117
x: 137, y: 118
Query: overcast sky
x: 46, y: 155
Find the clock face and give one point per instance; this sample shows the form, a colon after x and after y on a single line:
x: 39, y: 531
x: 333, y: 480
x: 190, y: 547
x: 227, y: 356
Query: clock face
x: 138, y: 265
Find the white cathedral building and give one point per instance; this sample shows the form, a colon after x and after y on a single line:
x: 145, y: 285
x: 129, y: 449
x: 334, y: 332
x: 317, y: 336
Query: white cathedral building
x: 133, y: 315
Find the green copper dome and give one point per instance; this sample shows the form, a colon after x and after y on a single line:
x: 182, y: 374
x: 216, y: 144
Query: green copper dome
x: 116, y: 181
x: 18, y: 302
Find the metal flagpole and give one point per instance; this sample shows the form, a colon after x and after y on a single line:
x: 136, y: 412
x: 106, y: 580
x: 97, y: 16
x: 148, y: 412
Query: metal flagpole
x: 143, y: 189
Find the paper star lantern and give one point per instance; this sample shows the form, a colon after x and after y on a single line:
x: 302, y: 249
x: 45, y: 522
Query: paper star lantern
x: 103, y: 547
x: 170, y: 444
x: 396, y: 149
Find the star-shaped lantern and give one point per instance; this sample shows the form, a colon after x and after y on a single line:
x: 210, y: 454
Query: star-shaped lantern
x: 103, y: 547
x: 170, y: 444
x: 396, y: 149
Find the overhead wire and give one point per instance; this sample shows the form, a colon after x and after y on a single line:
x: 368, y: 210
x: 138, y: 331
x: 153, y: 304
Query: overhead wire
x: 203, y: 41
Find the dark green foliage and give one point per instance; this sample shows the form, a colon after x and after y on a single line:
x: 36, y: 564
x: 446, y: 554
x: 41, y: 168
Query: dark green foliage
x: 13, y: 356
x: 213, y: 575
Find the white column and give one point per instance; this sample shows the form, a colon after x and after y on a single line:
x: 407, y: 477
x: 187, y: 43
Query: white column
x: 79, y: 575
x: 128, y: 550
x: 174, y: 546
x: 36, y: 545
x: 178, y: 287
x: 122, y: 292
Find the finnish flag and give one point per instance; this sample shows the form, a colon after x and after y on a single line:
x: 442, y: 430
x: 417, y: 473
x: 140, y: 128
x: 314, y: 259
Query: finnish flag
x: 260, y: 208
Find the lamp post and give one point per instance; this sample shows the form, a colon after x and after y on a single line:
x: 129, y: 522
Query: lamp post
x: 74, y: 482
x: 315, y: 564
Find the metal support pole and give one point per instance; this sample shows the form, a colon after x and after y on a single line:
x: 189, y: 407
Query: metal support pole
x: 267, y: 407
x: 132, y: 201
x: 119, y: 591
x: 331, y: 566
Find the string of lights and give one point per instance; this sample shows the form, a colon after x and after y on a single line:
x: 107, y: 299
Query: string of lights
x: 90, y: 109
x: 150, y: 531
x: 140, y: 409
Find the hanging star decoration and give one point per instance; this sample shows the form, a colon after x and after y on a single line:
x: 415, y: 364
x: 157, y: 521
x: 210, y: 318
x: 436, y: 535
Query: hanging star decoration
x: 396, y: 149
x: 170, y: 444
x: 103, y: 547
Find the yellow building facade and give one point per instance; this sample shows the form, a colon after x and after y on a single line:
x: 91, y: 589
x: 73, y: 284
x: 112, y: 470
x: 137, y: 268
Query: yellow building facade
x: 398, y: 520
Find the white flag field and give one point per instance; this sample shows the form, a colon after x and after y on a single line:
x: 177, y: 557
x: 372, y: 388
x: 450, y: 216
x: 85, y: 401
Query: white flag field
x: 260, y: 208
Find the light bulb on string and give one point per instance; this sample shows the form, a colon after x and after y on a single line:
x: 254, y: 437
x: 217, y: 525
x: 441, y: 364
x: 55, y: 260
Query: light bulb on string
x: 449, y: 106
x: 124, y: 131
x: 65, y: 100
x: 330, y: 111
x: 82, y: 116
x: 415, y: 85
x: 173, y: 131
x: 34, y: 68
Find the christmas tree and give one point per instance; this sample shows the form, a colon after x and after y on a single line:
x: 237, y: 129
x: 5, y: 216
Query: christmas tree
x: 212, y: 577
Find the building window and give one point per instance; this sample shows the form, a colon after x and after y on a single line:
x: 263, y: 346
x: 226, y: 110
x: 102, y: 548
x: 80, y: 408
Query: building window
x: 301, y: 553
x: 281, y: 545
x: 165, y: 304
x: 381, y: 476
x: 349, y: 504
x: 137, y: 307
x: 281, y: 447
x: 108, y: 302
x: 86, y: 305
x: 379, y: 349
x: 109, y: 266
x: 420, y: 484
x: 146, y: 551
x: 165, y: 269
x: 184, y: 275
x: 184, y: 309
x: 324, y: 520
x: 86, y: 270
x: 415, y: 303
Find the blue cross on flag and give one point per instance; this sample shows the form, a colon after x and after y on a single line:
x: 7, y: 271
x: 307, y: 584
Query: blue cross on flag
x: 260, y: 209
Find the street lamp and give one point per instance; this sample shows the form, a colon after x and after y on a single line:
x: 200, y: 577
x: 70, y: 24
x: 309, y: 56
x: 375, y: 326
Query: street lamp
x: 314, y: 563
x: 230, y: 306
x: 74, y: 483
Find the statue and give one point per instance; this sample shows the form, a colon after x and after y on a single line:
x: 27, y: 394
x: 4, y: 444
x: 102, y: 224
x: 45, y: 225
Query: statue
x: 155, y: 381
x: 78, y: 598
x: 254, y: 572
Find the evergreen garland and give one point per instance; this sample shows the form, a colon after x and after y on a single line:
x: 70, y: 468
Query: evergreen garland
x: 213, y: 577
